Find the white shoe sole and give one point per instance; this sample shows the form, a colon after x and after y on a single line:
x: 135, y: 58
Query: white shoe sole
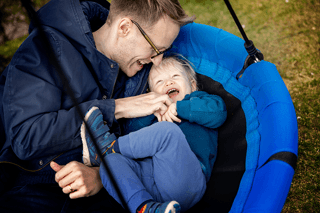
x: 85, y: 152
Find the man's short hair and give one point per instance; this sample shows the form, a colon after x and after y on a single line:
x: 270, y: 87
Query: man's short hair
x: 148, y: 12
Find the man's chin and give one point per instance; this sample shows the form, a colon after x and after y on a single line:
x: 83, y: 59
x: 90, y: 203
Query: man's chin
x: 132, y: 70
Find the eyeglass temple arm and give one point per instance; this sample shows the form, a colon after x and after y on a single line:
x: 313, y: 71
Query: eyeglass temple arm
x: 146, y: 37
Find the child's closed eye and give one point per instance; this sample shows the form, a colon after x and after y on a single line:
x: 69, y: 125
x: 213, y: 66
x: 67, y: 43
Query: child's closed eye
x: 159, y: 81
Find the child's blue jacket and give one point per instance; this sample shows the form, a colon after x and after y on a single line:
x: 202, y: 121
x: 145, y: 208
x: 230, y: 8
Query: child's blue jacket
x: 201, y: 113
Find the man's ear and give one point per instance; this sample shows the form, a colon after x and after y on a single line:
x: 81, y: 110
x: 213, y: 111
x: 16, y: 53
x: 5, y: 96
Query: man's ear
x: 124, y: 27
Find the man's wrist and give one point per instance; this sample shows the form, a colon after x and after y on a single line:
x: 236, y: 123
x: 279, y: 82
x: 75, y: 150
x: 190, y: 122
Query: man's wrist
x: 118, y: 110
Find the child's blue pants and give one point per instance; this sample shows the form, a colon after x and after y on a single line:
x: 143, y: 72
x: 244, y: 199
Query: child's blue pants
x: 155, y: 163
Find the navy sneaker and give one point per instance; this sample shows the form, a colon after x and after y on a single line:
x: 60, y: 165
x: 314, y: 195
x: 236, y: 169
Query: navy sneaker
x: 167, y: 207
x: 101, y: 135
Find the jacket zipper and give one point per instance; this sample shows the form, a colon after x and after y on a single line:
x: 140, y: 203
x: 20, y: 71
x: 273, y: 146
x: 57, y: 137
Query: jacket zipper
x: 114, y: 84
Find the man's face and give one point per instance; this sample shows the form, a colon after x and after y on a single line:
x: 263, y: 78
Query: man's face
x: 170, y: 80
x: 137, y: 51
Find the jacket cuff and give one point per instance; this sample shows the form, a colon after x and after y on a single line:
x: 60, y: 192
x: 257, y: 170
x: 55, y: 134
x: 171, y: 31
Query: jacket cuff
x: 184, y: 109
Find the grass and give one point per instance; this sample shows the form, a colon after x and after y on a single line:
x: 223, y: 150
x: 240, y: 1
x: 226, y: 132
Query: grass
x: 304, y: 195
x: 9, y: 48
x: 288, y: 34
x: 7, y: 51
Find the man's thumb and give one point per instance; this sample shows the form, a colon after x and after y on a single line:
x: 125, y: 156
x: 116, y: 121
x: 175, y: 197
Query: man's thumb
x: 56, y: 167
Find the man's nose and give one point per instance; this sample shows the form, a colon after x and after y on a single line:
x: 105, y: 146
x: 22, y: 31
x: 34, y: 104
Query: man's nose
x: 157, y: 60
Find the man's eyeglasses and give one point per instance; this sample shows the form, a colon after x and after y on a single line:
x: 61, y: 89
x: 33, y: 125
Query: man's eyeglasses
x: 150, y: 42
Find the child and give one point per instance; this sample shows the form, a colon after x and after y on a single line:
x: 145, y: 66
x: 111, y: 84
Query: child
x: 161, y: 166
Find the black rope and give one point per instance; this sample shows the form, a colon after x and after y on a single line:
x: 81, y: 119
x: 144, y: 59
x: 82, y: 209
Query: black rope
x: 54, y: 61
x: 235, y: 18
x: 255, y: 56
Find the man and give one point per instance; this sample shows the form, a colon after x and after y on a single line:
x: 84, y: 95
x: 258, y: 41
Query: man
x: 105, y: 65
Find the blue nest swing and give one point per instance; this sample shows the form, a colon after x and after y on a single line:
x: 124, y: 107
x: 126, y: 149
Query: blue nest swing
x: 258, y: 143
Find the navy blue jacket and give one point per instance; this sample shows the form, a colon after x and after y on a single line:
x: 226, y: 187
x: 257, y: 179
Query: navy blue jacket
x: 39, y: 119
x: 200, y: 113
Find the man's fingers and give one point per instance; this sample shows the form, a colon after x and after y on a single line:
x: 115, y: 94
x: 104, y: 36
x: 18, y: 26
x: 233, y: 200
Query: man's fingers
x: 56, y: 167
x: 80, y: 189
x: 169, y: 116
x: 61, y: 175
x: 67, y: 189
x: 77, y: 194
x: 158, y: 116
x: 69, y: 179
x: 65, y: 172
x: 173, y: 111
x: 165, y: 99
x: 175, y: 118
x: 166, y: 117
x: 80, y: 193
x: 161, y: 108
x: 168, y: 101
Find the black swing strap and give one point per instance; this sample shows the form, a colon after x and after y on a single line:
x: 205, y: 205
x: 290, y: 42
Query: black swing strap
x: 255, y: 56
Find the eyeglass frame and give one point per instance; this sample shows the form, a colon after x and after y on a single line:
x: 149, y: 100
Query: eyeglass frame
x: 149, y: 41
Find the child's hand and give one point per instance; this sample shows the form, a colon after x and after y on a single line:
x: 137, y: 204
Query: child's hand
x: 171, y: 114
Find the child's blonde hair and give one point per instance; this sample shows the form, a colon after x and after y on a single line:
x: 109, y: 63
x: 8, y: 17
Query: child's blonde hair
x: 184, y: 64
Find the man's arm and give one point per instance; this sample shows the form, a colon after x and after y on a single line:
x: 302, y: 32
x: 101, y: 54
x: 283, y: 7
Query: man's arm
x: 141, y: 105
x: 39, y: 117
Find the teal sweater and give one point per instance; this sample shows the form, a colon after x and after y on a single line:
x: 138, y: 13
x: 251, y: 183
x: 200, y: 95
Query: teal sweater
x: 200, y: 114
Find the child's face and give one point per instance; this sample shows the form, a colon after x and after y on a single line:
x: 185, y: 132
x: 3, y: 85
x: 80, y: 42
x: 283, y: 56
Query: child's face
x: 171, y: 81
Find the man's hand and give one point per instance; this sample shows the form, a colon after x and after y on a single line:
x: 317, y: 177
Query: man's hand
x: 84, y: 181
x: 141, y: 105
x: 170, y: 115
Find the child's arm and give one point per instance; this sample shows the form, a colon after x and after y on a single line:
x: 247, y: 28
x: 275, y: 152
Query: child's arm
x: 203, y: 108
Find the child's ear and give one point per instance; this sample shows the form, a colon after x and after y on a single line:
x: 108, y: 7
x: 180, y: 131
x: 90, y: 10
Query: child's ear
x: 193, y: 85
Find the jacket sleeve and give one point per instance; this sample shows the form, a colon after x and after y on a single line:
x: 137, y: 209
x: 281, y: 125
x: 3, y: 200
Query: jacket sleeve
x: 134, y: 124
x: 40, y: 119
x: 203, y: 108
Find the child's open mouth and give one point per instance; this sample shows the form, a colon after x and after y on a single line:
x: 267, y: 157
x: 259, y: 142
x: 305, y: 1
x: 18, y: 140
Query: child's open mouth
x: 172, y: 92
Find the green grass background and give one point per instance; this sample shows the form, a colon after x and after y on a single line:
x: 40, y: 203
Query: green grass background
x: 288, y: 34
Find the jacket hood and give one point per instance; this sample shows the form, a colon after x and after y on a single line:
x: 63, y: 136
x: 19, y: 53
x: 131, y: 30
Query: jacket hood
x: 71, y: 18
